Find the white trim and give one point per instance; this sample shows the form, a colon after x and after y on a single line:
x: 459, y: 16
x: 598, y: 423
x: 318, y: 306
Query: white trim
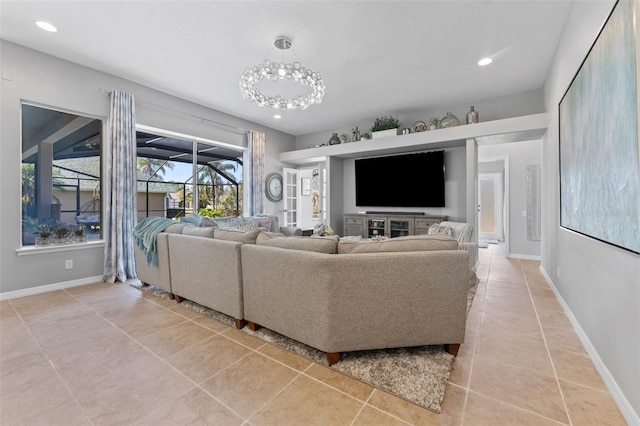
x: 524, y: 256
x: 184, y: 136
x: 618, y: 396
x: 49, y: 287
x: 31, y: 250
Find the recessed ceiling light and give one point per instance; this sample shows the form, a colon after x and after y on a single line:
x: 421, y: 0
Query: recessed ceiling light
x: 46, y: 26
x: 484, y: 61
x: 277, y: 116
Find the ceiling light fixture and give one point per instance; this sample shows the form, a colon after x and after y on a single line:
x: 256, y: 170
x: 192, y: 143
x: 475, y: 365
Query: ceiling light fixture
x: 274, y: 71
x: 484, y: 61
x: 277, y: 116
x: 46, y: 26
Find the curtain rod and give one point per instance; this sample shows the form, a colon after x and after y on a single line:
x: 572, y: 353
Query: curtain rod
x: 203, y: 120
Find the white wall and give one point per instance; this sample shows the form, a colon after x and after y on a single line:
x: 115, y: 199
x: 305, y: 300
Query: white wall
x: 599, y: 283
x: 521, y: 155
x: 455, y: 188
x: 49, y: 81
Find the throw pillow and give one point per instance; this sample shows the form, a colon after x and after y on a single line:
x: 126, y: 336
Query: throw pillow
x: 437, y: 229
x: 193, y: 219
x: 208, y: 222
x: 239, y: 224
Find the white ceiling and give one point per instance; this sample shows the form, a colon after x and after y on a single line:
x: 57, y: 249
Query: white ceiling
x: 376, y: 57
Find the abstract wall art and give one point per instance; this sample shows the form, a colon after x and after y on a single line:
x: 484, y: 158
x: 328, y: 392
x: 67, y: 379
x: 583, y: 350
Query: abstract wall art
x: 599, y: 146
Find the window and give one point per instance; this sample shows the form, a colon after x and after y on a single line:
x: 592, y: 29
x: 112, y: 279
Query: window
x: 165, y: 176
x: 61, y: 163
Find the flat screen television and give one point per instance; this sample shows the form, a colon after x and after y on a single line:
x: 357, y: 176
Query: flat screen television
x: 408, y: 180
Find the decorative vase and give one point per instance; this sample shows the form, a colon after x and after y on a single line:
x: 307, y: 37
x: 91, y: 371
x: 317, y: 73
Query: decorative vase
x: 355, y: 135
x: 449, y: 120
x: 335, y: 139
x: 384, y: 133
x: 472, y: 115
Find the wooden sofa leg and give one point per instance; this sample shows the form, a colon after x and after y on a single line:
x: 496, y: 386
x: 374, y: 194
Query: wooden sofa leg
x: 144, y: 284
x: 333, y: 357
x: 253, y: 326
x: 452, y: 348
x: 178, y: 298
x: 172, y: 296
x: 240, y: 323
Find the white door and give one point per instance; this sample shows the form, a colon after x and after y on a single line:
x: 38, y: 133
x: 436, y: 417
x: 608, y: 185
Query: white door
x: 291, y: 194
x: 490, y: 199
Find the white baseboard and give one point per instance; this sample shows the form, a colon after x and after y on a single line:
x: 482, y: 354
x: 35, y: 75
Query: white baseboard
x: 49, y: 287
x: 623, y: 404
x: 524, y: 256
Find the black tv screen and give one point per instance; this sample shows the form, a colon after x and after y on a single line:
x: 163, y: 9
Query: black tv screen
x: 408, y: 180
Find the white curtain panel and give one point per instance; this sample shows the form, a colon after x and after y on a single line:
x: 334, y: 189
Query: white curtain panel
x: 120, y: 196
x: 256, y: 144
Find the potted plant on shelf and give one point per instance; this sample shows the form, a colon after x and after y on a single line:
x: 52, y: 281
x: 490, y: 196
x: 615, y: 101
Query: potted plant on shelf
x: 385, y: 126
x: 433, y: 123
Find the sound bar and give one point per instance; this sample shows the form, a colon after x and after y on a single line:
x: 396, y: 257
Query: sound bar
x: 397, y: 213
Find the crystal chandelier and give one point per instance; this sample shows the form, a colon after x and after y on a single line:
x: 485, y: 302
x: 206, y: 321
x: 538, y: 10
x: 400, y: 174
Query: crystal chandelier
x: 274, y: 71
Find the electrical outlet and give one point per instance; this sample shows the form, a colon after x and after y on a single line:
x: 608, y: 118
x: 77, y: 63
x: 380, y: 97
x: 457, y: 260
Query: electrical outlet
x: 558, y: 272
x: 524, y: 213
x: 68, y: 264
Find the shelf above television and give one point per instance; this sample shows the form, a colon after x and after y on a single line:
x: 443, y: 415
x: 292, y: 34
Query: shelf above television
x: 524, y: 128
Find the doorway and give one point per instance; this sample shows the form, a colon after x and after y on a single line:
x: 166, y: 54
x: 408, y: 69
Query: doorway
x: 491, y: 199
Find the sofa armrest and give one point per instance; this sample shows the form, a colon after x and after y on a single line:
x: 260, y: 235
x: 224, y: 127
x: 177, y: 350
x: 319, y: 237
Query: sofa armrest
x: 207, y: 271
x: 159, y: 275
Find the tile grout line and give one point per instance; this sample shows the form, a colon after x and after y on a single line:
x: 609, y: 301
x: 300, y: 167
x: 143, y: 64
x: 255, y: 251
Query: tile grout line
x: 55, y: 369
x: 473, y: 353
x: 303, y: 372
x: 546, y: 345
x: 196, y: 385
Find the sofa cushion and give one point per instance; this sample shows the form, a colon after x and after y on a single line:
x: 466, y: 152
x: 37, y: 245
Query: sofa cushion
x: 175, y: 228
x: 196, y: 231
x: 327, y: 244
x: 208, y: 222
x: 437, y: 229
x: 408, y: 243
x: 248, y: 237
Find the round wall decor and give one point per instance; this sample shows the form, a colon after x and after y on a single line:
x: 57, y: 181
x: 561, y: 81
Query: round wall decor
x: 273, y: 187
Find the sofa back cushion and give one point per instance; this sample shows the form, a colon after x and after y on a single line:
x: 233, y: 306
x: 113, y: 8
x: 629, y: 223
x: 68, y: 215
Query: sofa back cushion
x: 197, y: 231
x: 409, y: 243
x: 175, y: 228
x: 248, y: 237
x: 328, y: 245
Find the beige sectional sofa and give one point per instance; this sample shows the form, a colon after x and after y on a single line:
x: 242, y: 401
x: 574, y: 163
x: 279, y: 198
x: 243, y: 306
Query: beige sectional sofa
x: 336, y: 295
x: 407, y: 291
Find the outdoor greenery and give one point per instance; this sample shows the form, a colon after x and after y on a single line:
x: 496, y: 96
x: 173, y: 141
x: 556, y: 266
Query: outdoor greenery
x: 154, y: 167
x: 216, y: 196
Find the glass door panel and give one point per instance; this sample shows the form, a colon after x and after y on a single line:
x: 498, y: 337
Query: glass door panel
x: 291, y: 193
x: 399, y: 228
x: 375, y: 228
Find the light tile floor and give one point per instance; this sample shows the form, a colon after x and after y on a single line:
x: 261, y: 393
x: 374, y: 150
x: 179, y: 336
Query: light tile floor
x: 107, y: 354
